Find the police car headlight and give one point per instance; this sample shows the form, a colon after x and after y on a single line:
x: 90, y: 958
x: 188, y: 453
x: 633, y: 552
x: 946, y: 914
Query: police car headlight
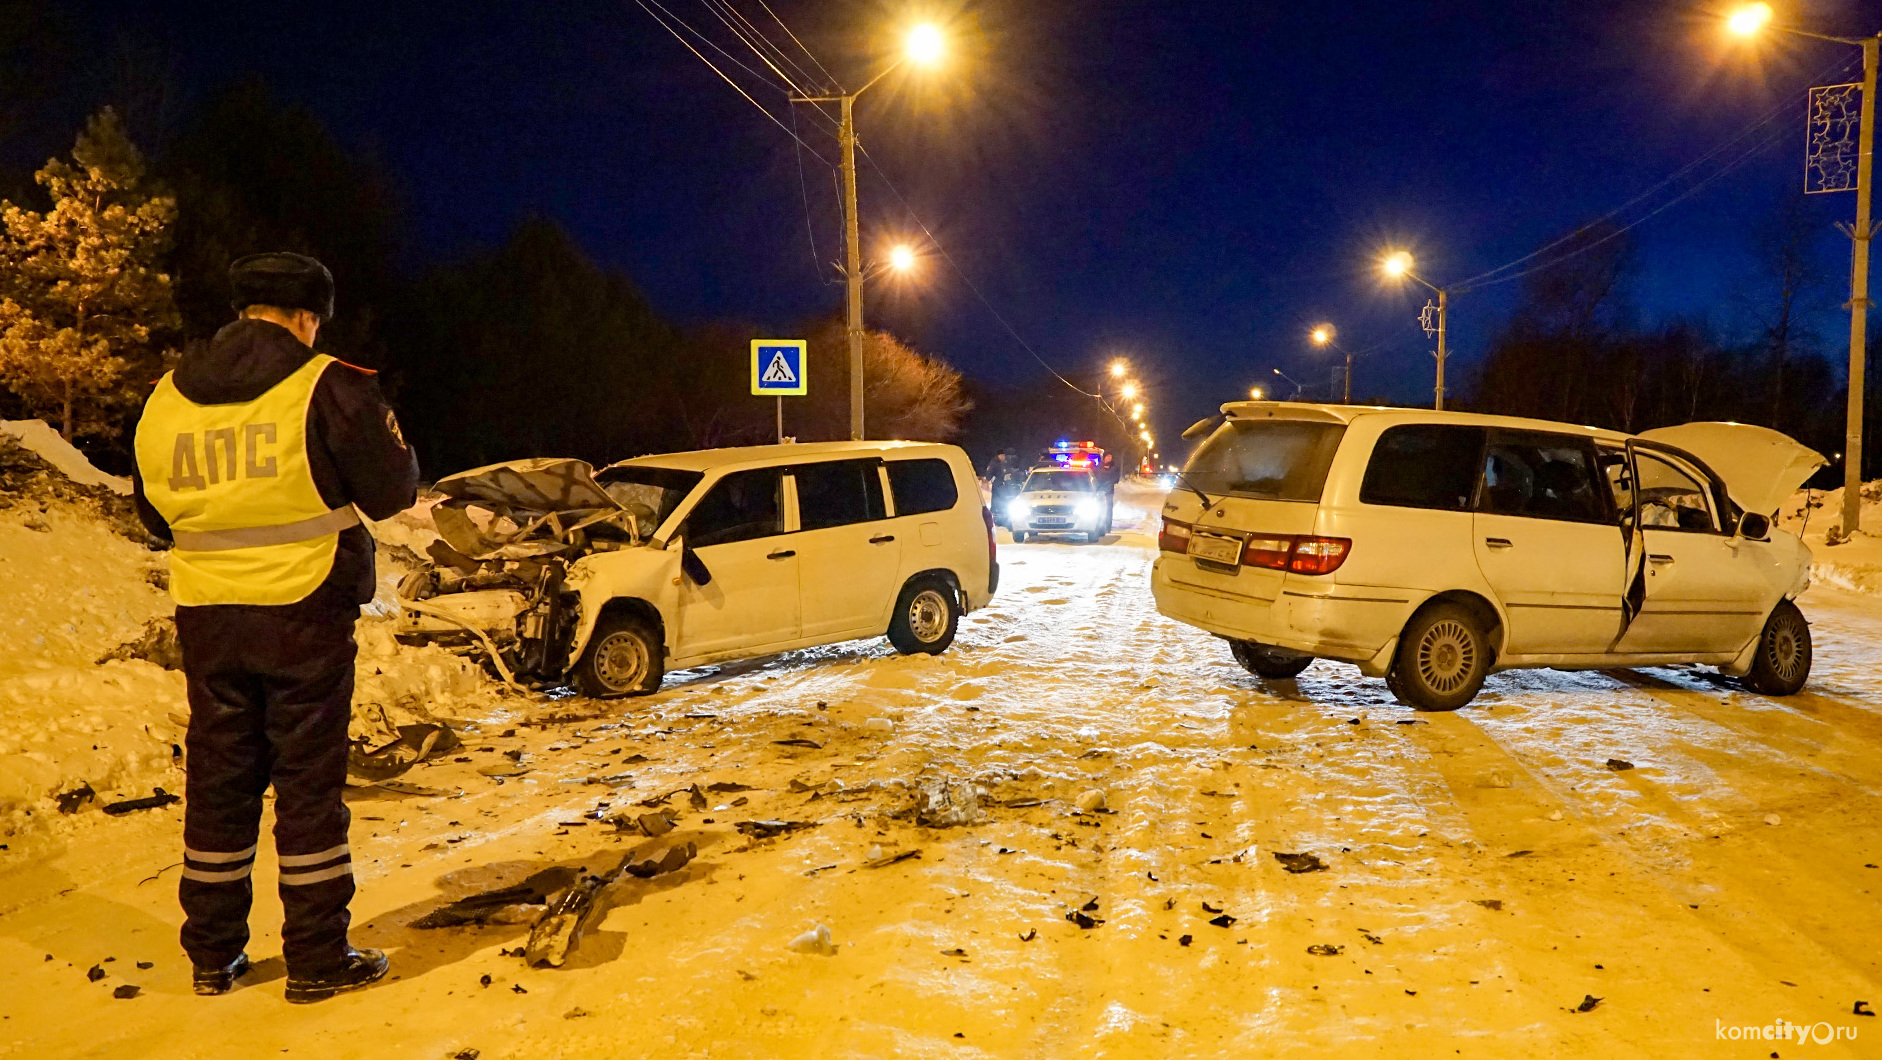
x: 1019, y: 509
x: 1088, y: 507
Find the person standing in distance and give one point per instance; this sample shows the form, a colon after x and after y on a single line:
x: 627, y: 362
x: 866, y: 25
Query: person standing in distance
x: 255, y: 457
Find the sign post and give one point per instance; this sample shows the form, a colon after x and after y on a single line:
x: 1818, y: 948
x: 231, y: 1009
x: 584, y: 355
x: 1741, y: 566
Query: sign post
x: 778, y: 369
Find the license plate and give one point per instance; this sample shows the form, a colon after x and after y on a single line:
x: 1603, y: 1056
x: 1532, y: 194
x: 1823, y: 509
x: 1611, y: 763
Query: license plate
x: 1052, y: 521
x: 1225, y: 550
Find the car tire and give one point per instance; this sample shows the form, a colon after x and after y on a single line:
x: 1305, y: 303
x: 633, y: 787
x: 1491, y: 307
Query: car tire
x: 1443, y: 657
x: 926, y: 615
x: 1019, y: 537
x: 624, y: 657
x: 1263, y: 661
x: 1094, y: 537
x: 1782, y: 662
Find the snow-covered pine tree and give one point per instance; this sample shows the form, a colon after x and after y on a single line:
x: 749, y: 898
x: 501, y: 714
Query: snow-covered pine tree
x: 83, y: 300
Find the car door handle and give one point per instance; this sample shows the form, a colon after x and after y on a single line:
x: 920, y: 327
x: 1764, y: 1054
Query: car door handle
x: 883, y: 539
x: 1498, y: 542
x: 782, y: 554
x: 1655, y: 558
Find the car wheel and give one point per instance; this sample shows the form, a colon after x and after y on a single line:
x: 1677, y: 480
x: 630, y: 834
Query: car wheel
x: 1093, y: 537
x: 1782, y: 661
x: 1263, y: 661
x: 1019, y: 537
x: 926, y: 615
x: 624, y: 657
x: 1442, y: 659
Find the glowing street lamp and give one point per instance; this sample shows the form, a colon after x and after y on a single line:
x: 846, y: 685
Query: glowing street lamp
x: 1399, y: 264
x: 902, y: 258
x: 1747, y: 22
x: 1322, y: 335
x: 1127, y: 391
x: 1254, y: 393
x: 1119, y: 368
x: 923, y: 46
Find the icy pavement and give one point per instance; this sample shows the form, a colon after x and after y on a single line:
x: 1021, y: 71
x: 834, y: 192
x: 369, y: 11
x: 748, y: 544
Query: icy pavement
x: 1486, y: 871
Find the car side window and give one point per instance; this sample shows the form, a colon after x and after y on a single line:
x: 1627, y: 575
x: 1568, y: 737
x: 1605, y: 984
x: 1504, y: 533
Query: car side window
x: 838, y: 493
x: 922, y: 486
x: 1543, y: 476
x: 742, y: 506
x: 1671, y: 499
x: 1424, y: 465
x: 1619, y: 478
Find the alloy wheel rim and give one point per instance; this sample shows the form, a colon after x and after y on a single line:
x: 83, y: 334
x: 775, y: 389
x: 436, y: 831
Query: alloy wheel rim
x: 1446, y: 656
x: 928, y: 616
x: 621, y: 661
x: 1786, y: 651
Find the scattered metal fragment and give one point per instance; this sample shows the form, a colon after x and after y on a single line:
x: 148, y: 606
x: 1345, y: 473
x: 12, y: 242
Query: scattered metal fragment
x: 1300, y: 862
x: 1207, y: 908
x: 485, y: 906
x: 1370, y: 937
x: 1862, y: 1009
x: 1082, y: 919
x: 1223, y: 921
x: 95, y: 972
x: 126, y: 992
x: 1588, y: 1002
x: 1020, y: 804
x: 70, y: 801
x: 1519, y: 853
x: 559, y: 931
x: 1031, y: 934
x: 955, y: 952
x: 798, y: 741
x: 1321, y: 949
x: 729, y: 786
x: 891, y: 857
x: 1495, y: 905
x: 943, y: 802
x: 771, y: 829
x: 670, y: 859
x: 1617, y: 765
x: 1184, y: 940
x: 161, y: 798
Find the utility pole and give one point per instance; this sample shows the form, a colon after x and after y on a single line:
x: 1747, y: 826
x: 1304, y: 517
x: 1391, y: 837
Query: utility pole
x: 1859, y: 293
x: 853, y: 264
x: 1442, y: 308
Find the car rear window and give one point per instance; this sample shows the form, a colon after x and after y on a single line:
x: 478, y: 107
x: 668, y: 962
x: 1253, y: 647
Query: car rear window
x: 1059, y: 482
x: 922, y: 486
x: 1281, y: 460
x: 1424, y: 465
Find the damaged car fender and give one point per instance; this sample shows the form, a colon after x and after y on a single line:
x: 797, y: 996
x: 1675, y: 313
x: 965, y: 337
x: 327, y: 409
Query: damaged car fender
x: 651, y: 575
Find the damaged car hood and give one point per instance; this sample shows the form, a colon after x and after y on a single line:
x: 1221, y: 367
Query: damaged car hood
x: 545, y: 497
x: 1761, y: 467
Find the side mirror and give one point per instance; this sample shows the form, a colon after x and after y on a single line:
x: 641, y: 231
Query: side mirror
x: 694, y: 567
x: 1753, y: 526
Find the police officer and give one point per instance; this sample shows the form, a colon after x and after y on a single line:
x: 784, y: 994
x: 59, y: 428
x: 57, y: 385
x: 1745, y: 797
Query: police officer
x: 1002, y: 472
x: 252, y: 457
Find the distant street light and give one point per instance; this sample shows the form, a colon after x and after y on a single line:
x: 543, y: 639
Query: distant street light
x: 1297, y: 387
x: 1254, y: 393
x: 1119, y: 367
x: 1323, y: 336
x: 923, y: 46
x: 1127, y: 391
x: 901, y: 258
x: 1747, y: 22
x: 1399, y: 264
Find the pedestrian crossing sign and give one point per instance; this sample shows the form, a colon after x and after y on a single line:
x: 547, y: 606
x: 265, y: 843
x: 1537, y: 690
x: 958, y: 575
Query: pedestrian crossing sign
x: 777, y: 367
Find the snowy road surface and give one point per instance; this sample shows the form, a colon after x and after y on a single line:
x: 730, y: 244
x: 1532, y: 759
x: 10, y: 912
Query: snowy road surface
x: 1486, y: 870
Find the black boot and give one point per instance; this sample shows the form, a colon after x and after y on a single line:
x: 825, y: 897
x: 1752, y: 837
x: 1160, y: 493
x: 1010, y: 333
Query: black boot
x: 359, y: 968
x: 213, y: 981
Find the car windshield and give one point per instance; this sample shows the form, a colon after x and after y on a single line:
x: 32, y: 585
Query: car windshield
x: 1282, y: 460
x: 661, y: 489
x: 1058, y: 482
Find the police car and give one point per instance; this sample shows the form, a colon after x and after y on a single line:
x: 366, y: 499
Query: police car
x: 1057, y: 499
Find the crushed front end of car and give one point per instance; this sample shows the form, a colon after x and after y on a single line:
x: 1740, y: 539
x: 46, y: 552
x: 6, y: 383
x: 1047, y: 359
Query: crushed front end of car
x: 496, y: 587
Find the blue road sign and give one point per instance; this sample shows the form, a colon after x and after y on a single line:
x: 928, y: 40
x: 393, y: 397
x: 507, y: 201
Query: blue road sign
x: 777, y: 368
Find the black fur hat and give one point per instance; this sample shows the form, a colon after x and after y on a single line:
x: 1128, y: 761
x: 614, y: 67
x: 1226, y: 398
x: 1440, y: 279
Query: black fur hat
x: 290, y: 281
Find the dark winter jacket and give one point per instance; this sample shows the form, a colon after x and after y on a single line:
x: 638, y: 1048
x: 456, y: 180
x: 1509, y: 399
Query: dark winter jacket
x: 353, y: 442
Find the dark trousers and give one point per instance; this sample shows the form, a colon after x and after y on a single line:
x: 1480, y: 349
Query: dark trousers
x: 270, y: 691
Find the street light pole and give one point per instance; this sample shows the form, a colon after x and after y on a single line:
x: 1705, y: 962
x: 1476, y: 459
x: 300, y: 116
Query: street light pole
x: 853, y: 262
x: 1859, y: 294
x: 1443, y: 309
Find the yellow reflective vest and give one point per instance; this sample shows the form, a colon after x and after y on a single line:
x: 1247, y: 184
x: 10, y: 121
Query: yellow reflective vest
x: 235, y: 485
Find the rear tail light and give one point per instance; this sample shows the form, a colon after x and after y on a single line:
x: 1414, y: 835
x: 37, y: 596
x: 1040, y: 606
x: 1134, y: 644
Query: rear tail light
x: 1319, y: 555
x: 1270, y: 552
x: 986, y: 516
x: 1173, y: 536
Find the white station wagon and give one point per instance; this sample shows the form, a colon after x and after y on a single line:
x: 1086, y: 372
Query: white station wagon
x: 1432, y: 548
x: 608, y: 579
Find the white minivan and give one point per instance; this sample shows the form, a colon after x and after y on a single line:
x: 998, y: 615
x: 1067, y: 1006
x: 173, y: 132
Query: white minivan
x: 608, y: 579
x: 1432, y: 548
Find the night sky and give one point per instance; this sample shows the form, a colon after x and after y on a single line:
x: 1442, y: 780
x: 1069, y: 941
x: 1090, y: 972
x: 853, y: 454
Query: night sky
x: 1190, y: 185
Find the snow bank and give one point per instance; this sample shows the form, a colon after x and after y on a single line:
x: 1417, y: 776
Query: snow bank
x: 1855, y: 564
x: 38, y: 436
x: 73, y: 588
